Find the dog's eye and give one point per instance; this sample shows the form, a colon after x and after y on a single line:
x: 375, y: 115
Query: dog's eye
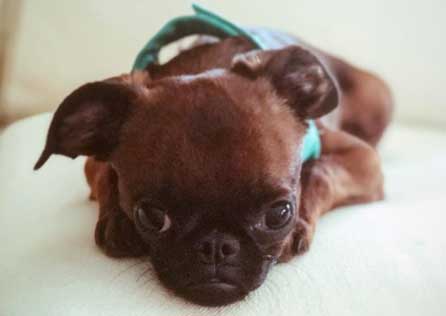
x: 279, y: 215
x: 151, y: 218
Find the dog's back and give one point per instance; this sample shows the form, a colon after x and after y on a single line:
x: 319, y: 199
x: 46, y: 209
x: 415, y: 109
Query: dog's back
x: 365, y: 107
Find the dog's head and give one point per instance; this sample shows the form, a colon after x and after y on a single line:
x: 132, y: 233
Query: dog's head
x: 208, y: 165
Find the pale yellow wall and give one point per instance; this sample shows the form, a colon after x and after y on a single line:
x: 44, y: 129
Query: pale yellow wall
x: 62, y: 44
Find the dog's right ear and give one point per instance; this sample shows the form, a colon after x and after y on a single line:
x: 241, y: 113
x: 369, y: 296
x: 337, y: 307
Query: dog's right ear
x: 88, y: 121
x: 298, y: 76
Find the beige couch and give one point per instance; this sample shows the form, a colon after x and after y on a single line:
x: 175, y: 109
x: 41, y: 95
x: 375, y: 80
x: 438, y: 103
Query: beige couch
x: 385, y: 258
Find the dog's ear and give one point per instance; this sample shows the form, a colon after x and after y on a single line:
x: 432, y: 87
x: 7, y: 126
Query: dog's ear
x: 296, y: 74
x: 88, y: 121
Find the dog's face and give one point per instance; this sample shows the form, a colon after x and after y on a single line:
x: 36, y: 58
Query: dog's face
x: 207, y: 165
x: 210, y: 182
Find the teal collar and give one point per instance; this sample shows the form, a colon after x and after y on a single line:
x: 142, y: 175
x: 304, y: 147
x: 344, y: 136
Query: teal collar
x: 208, y: 23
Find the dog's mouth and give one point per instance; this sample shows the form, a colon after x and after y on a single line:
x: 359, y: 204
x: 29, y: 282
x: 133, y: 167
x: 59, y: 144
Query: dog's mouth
x: 213, y: 292
x: 209, y: 286
x: 212, y: 284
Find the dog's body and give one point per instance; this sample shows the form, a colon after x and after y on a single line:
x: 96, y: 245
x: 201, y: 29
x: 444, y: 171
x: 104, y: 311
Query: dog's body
x: 222, y: 140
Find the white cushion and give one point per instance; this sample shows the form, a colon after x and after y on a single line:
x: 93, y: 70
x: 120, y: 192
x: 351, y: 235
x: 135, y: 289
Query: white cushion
x: 385, y: 258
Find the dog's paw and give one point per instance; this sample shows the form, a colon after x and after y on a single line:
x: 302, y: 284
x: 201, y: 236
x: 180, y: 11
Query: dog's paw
x: 303, y: 236
x: 116, y: 236
x: 300, y: 241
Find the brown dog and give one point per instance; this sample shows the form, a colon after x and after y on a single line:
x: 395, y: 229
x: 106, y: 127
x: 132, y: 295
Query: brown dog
x: 196, y: 162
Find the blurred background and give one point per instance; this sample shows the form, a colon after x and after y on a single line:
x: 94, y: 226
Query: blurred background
x: 48, y: 47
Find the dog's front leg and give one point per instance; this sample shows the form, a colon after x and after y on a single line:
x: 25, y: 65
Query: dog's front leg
x: 347, y: 172
x: 115, y: 233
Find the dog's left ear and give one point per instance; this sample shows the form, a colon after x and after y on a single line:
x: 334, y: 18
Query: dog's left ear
x: 88, y: 121
x: 296, y: 74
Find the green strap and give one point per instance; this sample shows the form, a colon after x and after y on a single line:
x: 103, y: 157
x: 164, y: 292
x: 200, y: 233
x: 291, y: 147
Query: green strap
x: 311, y: 147
x: 205, y: 22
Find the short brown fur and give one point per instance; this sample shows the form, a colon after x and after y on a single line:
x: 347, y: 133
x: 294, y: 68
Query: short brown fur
x: 232, y: 140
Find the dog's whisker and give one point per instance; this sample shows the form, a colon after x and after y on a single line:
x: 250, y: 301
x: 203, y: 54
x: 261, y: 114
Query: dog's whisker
x: 128, y: 268
x: 148, y: 269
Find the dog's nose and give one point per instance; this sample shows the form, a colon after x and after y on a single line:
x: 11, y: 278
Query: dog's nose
x: 217, y: 247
